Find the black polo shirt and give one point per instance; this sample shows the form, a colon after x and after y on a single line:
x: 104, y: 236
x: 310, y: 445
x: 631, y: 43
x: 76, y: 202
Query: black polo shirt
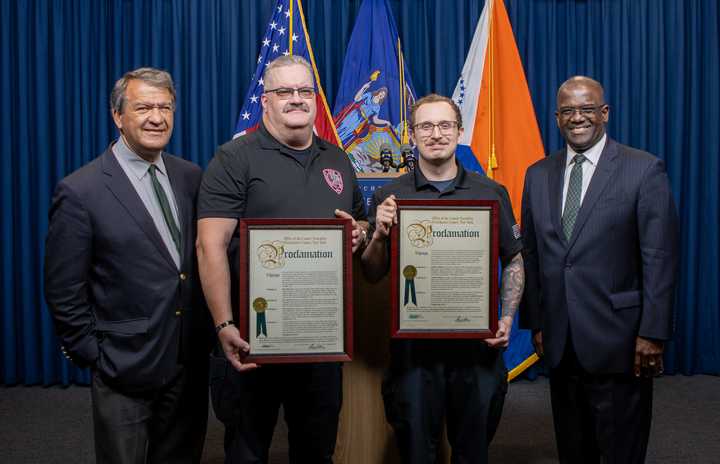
x: 255, y: 176
x: 466, y: 186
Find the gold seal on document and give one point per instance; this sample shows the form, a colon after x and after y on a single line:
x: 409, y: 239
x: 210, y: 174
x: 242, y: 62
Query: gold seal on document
x: 260, y: 305
x: 409, y: 272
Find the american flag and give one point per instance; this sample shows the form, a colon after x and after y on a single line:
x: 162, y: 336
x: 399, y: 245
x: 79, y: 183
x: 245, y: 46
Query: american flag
x: 286, y: 34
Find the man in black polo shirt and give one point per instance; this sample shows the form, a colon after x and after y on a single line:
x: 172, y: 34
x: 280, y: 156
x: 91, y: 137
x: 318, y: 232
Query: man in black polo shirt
x: 462, y: 380
x: 280, y: 171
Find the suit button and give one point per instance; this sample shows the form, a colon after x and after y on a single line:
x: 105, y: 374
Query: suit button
x: 183, y: 276
x: 568, y: 265
x: 178, y: 312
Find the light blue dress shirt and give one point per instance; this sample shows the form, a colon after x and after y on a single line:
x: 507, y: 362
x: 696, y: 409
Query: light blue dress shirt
x: 136, y: 169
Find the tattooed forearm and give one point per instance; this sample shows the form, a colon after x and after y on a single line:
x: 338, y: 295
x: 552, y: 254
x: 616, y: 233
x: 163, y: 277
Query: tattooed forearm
x: 513, y: 283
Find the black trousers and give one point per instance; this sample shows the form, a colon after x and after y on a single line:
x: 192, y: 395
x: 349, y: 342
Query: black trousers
x: 167, y: 425
x: 463, y: 382
x: 599, y: 418
x: 248, y: 403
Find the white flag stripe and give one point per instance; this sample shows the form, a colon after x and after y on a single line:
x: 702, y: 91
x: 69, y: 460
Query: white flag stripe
x: 467, y: 90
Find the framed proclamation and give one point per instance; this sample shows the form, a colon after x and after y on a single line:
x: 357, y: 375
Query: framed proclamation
x: 444, y: 269
x: 296, y: 290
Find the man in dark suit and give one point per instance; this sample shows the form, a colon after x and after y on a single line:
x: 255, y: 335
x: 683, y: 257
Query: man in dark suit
x: 600, y: 250
x: 121, y: 283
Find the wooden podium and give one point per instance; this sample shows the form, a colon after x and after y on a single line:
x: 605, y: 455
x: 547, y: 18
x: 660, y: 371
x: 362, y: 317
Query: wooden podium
x: 364, y: 436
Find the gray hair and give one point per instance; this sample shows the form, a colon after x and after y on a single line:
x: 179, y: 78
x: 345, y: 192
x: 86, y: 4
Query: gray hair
x: 151, y: 76
x: 288, y: 60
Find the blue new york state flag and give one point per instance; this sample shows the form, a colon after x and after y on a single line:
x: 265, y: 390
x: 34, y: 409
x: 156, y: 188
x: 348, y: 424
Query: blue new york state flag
x: 372, y: 106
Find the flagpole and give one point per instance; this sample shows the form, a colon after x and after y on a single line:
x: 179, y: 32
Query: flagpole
x: 290, y: 27
x: 492, y: 160
x: 323, y: 100
x: 401, y: 81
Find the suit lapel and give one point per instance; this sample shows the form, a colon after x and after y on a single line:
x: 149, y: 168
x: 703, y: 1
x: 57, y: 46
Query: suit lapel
x: 120, y: 186
x: 600, y: 180
x: 177, y: 182
x: 555, y: 188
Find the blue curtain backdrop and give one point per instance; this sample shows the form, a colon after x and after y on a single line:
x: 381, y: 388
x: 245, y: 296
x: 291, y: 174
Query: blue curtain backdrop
x: 59, y: 59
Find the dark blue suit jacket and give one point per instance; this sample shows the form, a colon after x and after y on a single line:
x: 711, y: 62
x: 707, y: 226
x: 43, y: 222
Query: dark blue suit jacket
x: 615, y: 278
x: 119, y: 302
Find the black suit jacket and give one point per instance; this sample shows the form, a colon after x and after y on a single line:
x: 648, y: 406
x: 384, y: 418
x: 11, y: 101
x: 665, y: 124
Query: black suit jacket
x: 615, y: 278
x: 118, y: 300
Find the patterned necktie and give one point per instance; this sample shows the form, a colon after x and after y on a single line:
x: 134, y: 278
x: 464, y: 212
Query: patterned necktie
x: 572, y: 201
x: 165, y: 206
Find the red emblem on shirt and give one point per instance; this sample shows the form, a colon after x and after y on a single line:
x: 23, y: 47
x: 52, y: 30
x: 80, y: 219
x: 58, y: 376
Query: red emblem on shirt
x: 334, y: 180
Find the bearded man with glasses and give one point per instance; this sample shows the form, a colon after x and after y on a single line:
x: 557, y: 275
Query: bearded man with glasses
x: 462, y: 381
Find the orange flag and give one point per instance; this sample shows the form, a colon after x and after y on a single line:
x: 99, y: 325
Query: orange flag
x: 501, y: 131
x: 498, y: 114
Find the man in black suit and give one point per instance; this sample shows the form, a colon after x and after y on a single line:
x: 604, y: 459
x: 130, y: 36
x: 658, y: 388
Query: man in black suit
x: 600, y: 250
x: 121, y: 283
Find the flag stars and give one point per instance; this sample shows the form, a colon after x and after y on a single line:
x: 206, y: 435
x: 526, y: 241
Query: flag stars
x: 279, y: 8
x: 281, y: 31
x: 259, y: 59
x: 246, y: 115
x: 261, y: 82
x: 254, y: 99
x: 294, y: 37
x: 266, y: 42
x: 273, y: 25
x: 287, y: 13
x: 276, y: 47
x: 286, y: 53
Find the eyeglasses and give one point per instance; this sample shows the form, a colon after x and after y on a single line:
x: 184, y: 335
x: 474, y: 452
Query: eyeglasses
x: 587, y: 111
x: 143, y: 109
x: 425, y: 129
x: 286, y: 93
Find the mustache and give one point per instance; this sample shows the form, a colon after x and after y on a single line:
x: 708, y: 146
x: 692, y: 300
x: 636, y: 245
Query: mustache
x: 296, y: 106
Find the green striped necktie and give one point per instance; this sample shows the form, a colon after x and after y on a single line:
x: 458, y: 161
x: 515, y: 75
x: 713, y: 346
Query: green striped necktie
x: 574, y: 192
x: 165, y: 207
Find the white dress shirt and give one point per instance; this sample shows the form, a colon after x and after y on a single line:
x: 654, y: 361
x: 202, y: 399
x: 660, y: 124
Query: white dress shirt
x: 588, y: 167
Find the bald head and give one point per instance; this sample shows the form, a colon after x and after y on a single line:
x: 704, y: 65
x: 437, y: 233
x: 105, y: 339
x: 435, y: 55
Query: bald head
x: 581, y: 112
x: 585, y: 83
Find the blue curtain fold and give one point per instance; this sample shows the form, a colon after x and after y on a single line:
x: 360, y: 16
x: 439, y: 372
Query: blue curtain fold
x: 658, y: 59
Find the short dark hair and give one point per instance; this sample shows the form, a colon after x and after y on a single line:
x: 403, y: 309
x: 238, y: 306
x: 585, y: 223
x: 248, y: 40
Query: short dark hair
x: 435, y: 98
x: 151, y: 76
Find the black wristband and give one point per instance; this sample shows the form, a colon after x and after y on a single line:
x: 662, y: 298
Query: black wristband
x: 219, y: 327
